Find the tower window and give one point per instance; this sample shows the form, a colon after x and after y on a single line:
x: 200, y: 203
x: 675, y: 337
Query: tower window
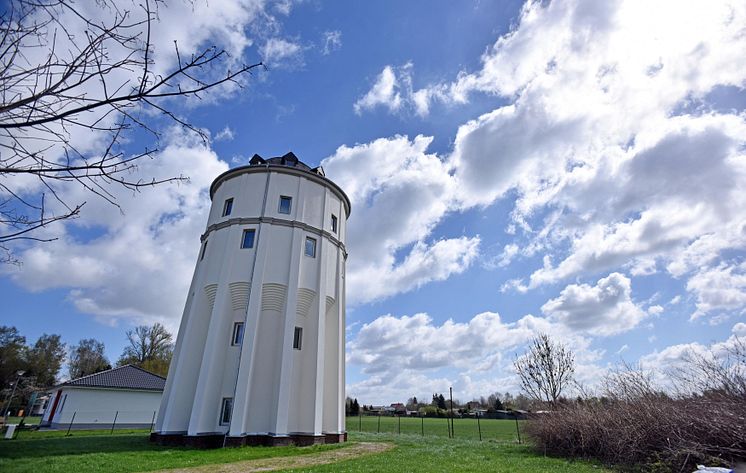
x: 285, y: 204
x: 237, y: 338
x: 298, y: 338
x: 310, y: 247
x: 226, y: 410
x: 334, y: 223
x: 227, y: 207
x: 248, y: 238
x: 204, y: 249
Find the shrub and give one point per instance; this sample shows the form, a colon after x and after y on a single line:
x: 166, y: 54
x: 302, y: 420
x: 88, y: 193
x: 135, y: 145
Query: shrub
x: 701, y: 419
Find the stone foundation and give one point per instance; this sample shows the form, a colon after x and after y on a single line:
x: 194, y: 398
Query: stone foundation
x: 220, y: 440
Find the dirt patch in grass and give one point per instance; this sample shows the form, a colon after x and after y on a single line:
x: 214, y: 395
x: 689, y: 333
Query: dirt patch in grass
x: 283, y: 463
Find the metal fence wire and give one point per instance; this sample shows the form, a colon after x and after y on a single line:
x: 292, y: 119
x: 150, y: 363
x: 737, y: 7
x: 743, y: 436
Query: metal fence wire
x: 470, y: 427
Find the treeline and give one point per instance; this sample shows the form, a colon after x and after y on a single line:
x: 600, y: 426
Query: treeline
x: 440, y: 406
x: 31, y: 368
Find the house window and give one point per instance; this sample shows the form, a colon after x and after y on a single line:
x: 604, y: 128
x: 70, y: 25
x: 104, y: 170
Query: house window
x: 310, y: 247
x: 237, y: 338
x: 204, y: 249
x: 248, y: 238
x: 227, y: 207
x: 285, y: 204
x: 225, y: 411
x: 297, y: 338
x: 334, y: 223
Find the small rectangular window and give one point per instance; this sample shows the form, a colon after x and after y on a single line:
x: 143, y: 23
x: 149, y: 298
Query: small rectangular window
x: 237, y: 338
x: 227, y: 207
x: 334, y: 223
x: 310, y: 247
x: 297, y: 338
x: 248, y: 238
x: 285, y: 204
x: 225, y: 411
x: 204, y: 249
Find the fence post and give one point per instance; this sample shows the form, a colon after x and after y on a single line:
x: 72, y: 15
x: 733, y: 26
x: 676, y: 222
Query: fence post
x: 453, y: 430
x: 518, y: 431
x: 114, y: 423
x: 423, y: 425
x: 399, y: 433
x: 479, y: 426
x: 152, y: 422
x: 379, y: 422
x: 71, y: 424
x: 360, y: 422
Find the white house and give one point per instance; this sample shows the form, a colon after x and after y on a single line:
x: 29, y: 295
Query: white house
x: 259, y: 358
x: 124, y: 397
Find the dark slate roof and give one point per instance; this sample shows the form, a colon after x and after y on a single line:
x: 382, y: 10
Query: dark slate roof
x: 124, y: 377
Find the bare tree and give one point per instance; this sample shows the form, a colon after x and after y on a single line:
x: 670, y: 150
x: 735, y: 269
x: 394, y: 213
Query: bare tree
x: 64, y: 74
x: 545, y: 369
x: 150, y: 348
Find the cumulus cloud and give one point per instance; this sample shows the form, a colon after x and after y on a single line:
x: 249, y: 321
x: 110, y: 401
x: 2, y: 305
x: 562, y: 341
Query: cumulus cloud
x: 112, y: 275
x: 605, y: 309
x: 405, y: 190
x: 226, y: 134
x: 406, y: 355
x: 600, y: 132
x: 719, y: 288
x: 387, y: 90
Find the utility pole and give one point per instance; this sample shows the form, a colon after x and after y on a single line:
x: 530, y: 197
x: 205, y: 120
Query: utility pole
x: 19, y: 373
x: 452, y: 431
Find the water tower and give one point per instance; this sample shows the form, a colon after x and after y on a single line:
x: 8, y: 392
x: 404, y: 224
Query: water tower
x: 259, y: 358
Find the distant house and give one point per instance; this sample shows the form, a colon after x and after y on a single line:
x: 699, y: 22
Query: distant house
x: 399, y: 408
x: 127, y: 397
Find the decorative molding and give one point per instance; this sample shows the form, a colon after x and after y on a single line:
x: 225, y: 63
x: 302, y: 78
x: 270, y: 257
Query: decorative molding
x: 211, y: 290
x: 273, y: 221
x: 305, y: 299
x: 273, y: 297
x: 240, y: 295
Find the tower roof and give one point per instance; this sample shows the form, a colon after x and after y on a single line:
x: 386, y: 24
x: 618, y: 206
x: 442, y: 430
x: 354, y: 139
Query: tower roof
x: 287, y: 161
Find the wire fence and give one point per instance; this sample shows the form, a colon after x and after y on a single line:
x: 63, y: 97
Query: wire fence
x: 476, y: 428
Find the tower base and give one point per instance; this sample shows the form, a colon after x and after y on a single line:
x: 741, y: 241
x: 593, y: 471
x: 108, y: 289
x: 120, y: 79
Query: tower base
x: 220, y: 440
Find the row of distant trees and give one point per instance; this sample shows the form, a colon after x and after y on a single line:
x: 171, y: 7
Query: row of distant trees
x: 149, y: 347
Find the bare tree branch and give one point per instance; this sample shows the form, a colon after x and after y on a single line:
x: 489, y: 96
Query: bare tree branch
x: 56, y: 81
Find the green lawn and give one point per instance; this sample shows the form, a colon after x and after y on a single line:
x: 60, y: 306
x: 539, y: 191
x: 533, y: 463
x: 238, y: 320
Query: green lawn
x: 28, y: 420
x: 492, y: 429
x: 92, y: 451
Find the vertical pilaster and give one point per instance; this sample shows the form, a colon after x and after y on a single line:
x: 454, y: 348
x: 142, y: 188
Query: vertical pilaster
x: 239, y: 419
x: 286, y: 366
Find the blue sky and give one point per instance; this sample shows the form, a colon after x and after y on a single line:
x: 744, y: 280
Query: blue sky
x: 570, y: 167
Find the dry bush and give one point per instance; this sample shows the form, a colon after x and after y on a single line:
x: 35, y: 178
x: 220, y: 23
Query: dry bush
x: 701, y: 420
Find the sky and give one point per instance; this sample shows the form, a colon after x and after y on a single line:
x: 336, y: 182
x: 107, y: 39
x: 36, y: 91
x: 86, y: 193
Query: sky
x: 576, y: 168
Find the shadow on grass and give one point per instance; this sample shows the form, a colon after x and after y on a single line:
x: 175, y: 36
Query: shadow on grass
x: 47, y: 447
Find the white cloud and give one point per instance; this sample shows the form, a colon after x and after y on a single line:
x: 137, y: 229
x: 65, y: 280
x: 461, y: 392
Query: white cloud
x: 719, y: 288
x: 655, y: 309
x: 139, y: 264
x: 386, y: 91
x: 604, y: 309
x: 405, y: 356
x: 280, y: 52
x: 332, y: 42
x: 406, y: 191
x: 226, y: 134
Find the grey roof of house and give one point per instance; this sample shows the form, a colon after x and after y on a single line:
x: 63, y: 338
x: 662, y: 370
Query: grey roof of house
x: 123, y: 377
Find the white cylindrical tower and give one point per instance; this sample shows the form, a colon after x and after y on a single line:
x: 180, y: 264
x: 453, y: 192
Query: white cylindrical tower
x: 259, y: 358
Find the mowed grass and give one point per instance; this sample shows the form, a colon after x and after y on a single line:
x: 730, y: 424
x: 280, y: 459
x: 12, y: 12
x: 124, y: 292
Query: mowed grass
x: 93, y: 451
x: 28, y: 420
x: 417, y: 454
x: 123, y: 452
x: 491, y: 429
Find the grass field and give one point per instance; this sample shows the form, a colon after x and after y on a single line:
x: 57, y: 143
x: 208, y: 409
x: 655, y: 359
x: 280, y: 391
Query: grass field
x: 491, y: 429
x: 28, y: 420
x: 93, y: 451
